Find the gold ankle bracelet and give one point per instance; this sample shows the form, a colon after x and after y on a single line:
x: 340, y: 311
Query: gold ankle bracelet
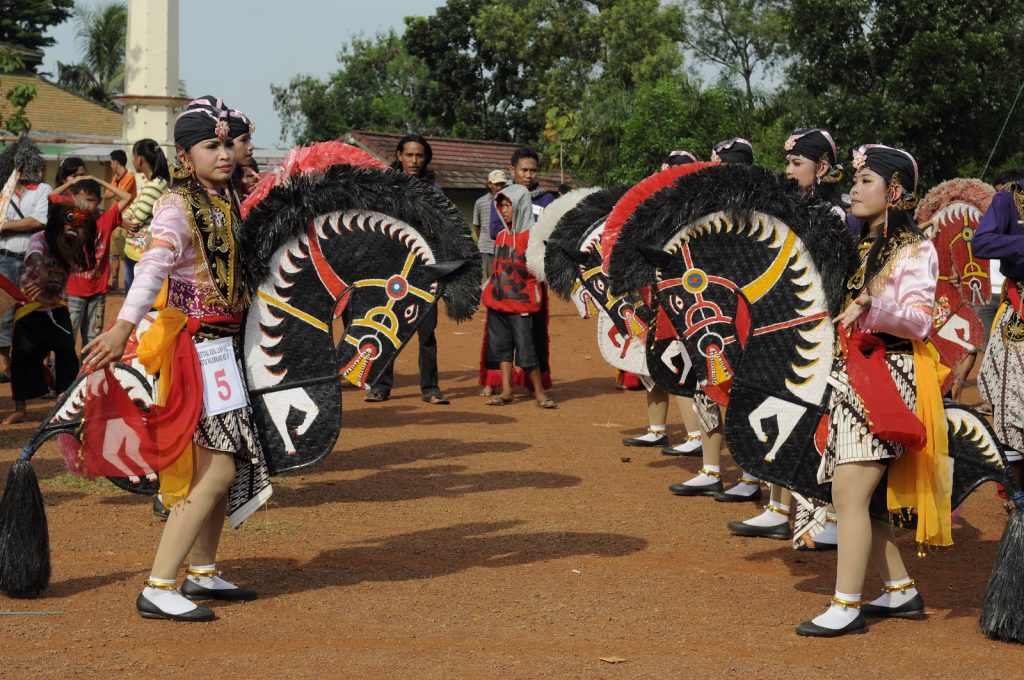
x: 193, y: 571
x: 748, y: 480
x: 160, y: 585
x: 710, y: 473
x: 781, y: 509
x: 692, y: 437
x: 901, y: 587
x: 846, y: 604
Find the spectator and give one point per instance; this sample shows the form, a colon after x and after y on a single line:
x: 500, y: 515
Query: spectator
x: 44, y: 324
x: 25, y: 215
x: 87, y: 288
x: 149, y: 160
x: 67, y: 171
x: 413, y: 156
x: 483, y: 213
x: 512, y: 297
x: 123, y: 179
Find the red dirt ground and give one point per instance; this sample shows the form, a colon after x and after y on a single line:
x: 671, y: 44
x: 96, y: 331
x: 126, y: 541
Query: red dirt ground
x: 471, y: 541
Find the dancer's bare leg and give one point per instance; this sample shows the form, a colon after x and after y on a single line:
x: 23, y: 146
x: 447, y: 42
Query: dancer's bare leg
x: 852, y: 486
x: 691, y: 445
x: 657, y: 416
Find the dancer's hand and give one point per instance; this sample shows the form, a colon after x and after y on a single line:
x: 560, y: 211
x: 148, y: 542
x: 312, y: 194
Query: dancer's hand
x: 108, y: 347
x: 849, y: 316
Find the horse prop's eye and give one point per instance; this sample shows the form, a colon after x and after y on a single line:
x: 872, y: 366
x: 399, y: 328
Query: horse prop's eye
x: 411, y: 313
x: 599, y: 285
x: 677, y: 303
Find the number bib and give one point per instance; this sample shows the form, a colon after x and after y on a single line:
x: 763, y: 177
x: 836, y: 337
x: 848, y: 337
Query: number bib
x: 222, y: 386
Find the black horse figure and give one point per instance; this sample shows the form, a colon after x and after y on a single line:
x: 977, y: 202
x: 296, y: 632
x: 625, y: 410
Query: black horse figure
x: 750, y: 274
x: 373, y: 247
x: 627, y: 333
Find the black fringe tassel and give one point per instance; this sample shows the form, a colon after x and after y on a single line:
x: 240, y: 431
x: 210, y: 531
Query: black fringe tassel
x: 24, y: 535
x: 1002, y: 611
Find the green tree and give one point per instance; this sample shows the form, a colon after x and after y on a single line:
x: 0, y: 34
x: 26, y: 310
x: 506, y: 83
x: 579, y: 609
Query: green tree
x: 466, y: 93
x: 19, y: 96
x: 377, y: 87
x: 101, y: 33
x: 743, y: 37
x: 934, y: 77
x: 23, y: 23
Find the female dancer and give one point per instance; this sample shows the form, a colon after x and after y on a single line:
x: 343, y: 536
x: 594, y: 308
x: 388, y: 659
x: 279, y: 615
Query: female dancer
x: 708, y: 480
x: 241, y: 130
x: 194, y: 248
x: 148, y: 158
x: 889, y: 303
x: 811, y: 161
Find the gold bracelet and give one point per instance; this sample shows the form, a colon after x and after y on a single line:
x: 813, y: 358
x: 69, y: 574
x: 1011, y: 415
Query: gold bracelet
x: 657, y: 433
x: 192, y: 571
x: 846, y: 604
x: 748, y: 480
x: 781, y: 509
x: 901, y: 587
x: 160, y: 585
x: 693, y: 437
x: 710, y: 473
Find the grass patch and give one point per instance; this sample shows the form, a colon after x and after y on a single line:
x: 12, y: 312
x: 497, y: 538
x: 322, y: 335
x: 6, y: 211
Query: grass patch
x: 69, y: 482
x: 269, y: 526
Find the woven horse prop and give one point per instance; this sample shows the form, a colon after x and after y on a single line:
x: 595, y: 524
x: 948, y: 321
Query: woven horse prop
x: 952, y: 210
x: 750, y: 275
x: 567, y: 253
x: 339, y: 236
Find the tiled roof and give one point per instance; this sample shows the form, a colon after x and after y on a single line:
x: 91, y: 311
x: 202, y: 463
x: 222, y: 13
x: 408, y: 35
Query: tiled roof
x: 457, y: 163
x: 56, y: 110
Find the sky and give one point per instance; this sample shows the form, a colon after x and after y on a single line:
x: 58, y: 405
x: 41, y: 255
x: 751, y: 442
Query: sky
x: 269, y: 42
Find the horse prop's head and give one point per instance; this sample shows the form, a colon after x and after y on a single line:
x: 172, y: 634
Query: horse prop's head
x: 344, y: 264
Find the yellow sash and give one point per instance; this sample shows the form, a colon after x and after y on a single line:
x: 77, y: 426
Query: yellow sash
x: 156, y: 354
x: 921, y: 480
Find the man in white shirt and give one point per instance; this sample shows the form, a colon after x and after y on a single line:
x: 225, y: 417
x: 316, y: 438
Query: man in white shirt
x: 25, y: 215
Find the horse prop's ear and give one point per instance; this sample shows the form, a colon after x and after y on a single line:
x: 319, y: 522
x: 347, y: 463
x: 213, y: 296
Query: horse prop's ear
x: 439, y: 270
x: 656, y: 256
x: 574, y: 255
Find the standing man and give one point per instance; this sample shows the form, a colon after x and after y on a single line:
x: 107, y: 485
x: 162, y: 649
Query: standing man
x: 412, y: 156
x: 26, y: 214
x: 483, y: 212
x: 125, y: 181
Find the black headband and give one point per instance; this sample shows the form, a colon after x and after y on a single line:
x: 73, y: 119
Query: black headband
x: 736, y: 150
x: 204, y: 118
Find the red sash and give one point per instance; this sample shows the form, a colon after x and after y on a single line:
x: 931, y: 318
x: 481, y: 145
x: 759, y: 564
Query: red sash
x: 888, y: 415
x: 512, y: 288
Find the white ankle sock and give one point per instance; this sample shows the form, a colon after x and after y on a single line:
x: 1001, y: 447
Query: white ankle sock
x: 895, y: 598
x: 213, y: 582
x: 702, y: 479
x: 691, y: 444
x: 654, y: 432
x: 747, y: 486
x: 168, y: 601
x: 769, y: 518
x: 837, y: 616
x: 829, y: 534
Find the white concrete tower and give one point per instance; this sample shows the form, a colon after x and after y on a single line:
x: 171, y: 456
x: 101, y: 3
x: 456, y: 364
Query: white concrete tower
x: 151, y: 80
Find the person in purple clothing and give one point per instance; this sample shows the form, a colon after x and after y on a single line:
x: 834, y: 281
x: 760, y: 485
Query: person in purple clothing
x: 412, y: 156
x: 1000, y: 236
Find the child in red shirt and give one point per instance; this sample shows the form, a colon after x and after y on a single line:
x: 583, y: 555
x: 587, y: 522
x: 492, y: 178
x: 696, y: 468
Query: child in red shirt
x: 87, y: 290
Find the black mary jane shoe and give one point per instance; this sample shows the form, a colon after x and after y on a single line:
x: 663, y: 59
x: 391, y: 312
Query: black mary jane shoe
x: 780, y: 532
x: 661, y: 440
x: 811, y: 629
x: 673, y: 451
x: 148, y: 610
x: 194, y: 591
x: 696, y: 490
x: 723, y: 497
x: 159, y: 509
x: 911, y: 609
